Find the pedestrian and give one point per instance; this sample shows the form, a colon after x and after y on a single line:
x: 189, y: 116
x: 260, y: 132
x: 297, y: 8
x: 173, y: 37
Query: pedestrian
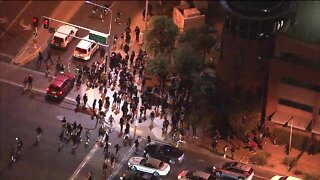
x: 121, y: 122
x: 25, y: 82
x: 48, y: 70
x: 88, y: 134
x: 105, y: 167
x: 149, y: 140
x: 133, y: 54
x: 78, y: 100
x: 214, y: 145
x: 39, y: 134
x: 129, y: 22
x: 128, y: 38
x: 112, y: 160
x: 117, y: 147
x: 40, y: 59
x: 126, y: 48
x: 137, y: 31
x: 49, y: 58
x: 85, y: 100
x: 232, y: 150
x: 225, y: 150
x: 100, y: 102
x: 94, y: 104
x: 136, y: 144
x: 90, y: 176
x: 30, y: 81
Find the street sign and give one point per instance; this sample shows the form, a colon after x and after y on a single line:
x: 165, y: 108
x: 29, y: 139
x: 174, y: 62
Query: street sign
x: 98, y: 36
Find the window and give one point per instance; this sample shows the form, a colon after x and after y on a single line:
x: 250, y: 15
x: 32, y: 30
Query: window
x: 298, y: 83
x: 80, y: 50
x: 296, y: 105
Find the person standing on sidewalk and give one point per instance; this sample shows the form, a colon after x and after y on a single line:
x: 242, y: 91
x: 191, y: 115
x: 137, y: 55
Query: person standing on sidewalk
x: 25, y: 82
x: 85, y: 100
x: 39, y: 134
x: 232, y: 150
x: 117, y: 147
x: 126, y: 48
x: 100, y: 102
x: 78, y: 100
x: 121, y: 122
x: 94, y: 104
x: 133, y: 54
x: 30, y: 81
x: 137, y: 31
x: 225, y: 150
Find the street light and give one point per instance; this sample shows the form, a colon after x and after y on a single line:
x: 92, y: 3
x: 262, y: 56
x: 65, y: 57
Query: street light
x: 107, y: 64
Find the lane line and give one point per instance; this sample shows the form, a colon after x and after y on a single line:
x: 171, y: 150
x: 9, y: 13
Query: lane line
x: 15, y: 19
x: 84, y: 162
x: 6, y: 55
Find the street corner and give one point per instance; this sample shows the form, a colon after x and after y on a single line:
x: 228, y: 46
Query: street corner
x: 26, y: 55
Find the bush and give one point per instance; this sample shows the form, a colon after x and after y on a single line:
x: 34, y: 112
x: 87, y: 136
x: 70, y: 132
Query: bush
x: 299, y: 141
x: 292, y: 161
x: 260, y: 158
x: 311, y: 177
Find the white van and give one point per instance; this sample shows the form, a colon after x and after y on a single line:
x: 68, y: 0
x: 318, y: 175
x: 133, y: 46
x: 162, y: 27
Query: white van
x: 85, y: 49
x: 61, y: 37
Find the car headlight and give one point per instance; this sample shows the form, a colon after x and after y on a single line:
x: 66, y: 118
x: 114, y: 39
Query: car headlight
x: 144, y: 151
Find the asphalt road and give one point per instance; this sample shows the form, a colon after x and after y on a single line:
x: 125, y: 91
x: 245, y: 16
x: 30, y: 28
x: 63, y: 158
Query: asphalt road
x: 12, y: 35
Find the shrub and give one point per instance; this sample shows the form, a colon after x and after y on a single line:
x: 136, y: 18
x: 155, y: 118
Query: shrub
x: 260, y: 158
x: 311, y: 177
x: 291, y: 160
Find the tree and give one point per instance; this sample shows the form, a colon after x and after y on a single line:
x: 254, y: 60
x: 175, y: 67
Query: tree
x: 161, y: 35
x: 186, y: 61
x: 159, y: 67
x: 200, y: 39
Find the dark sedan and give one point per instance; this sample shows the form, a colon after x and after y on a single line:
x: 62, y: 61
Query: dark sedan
x: 165, y: 153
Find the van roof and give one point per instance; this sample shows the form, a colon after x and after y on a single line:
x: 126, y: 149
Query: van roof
x: 84, y: 44
x: 64, y: 29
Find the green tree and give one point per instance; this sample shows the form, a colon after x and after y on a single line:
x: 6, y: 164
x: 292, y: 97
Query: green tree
x: 161, y: 35
x: 158, y: 66
x: 186, y: 61
x: 200, y: 39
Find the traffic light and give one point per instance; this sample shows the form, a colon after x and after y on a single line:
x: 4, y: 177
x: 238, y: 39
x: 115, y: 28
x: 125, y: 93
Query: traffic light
x: 46, y: 23
x: 35, y: 22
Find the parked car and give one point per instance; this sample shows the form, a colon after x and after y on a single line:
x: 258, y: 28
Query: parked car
x: 63, y: 35
x: 195, y: 175
x: 167, y: 153
x: 284, y: 178
x: 61, y: 86
x: 149, y: 165
x: 234, y: 170
x: 133, y: 175
x: 85, y: 49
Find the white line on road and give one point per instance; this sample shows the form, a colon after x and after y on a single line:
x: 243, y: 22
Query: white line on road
x: 6, y: 55
x: 15, y: 19
x: 84, y: 162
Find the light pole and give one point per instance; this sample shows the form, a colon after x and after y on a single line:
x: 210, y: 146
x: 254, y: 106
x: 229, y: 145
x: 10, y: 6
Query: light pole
x: 290, y: 141
x: 107, y: 64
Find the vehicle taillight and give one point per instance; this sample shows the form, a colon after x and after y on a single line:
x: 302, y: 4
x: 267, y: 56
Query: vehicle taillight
x: 60, y: 92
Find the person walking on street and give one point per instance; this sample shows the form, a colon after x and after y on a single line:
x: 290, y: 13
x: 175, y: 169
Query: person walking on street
x: 30, y: 81
x: 126, y: 48
x: 85, y: 100
x: 78, y: 100
x: 39, y: 134
x: 25, y: 83
x: 121, y: 122
x: 105, y: 167
x: 137, y: 31
x: 100, y: 102
x: 133, y: 54
x: 117, y: 147
x: 136, y: 144
x: 88, y: 134
x: 225, y: 150
x: 214, y: 145
x: 49, y: 58
x: 112, y: 160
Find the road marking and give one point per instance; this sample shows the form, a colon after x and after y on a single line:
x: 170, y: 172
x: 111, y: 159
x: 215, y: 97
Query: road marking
x: 116, y: 171
x: 84, y: 162
x: 261, y: 177
x: 15, y: 19
x: 6, y: 55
